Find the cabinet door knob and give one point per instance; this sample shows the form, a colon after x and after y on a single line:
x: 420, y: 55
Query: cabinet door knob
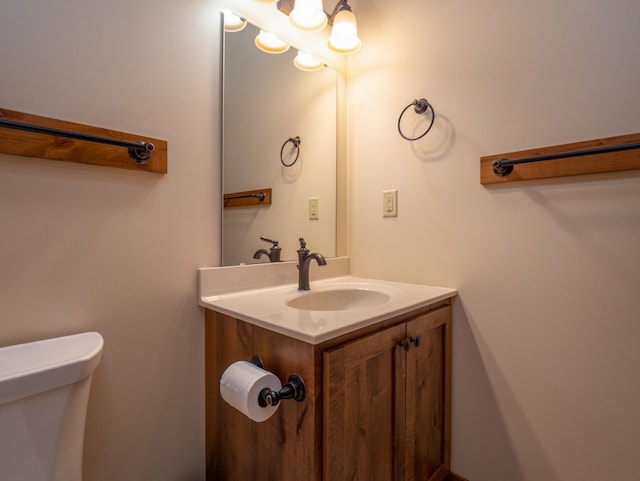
x: 405, y: 344
x: 415, y: 340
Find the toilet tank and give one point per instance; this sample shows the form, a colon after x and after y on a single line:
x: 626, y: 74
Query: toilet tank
x: 44, y: 389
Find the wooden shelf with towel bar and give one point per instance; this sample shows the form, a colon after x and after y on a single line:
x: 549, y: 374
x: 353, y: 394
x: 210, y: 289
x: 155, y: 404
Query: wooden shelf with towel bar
x: 610, y: 154
x: 248, y: 198
x: 44, y: 137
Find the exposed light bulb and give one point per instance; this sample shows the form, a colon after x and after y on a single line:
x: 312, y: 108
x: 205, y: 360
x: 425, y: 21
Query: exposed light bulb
x: 232, y: 22
x: 308, y: 15
x: 307, y: 62
x: 268, y: 42
x: 344, y: 34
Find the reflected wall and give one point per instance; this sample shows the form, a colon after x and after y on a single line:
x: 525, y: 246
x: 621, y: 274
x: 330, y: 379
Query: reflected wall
x: 266, y: 101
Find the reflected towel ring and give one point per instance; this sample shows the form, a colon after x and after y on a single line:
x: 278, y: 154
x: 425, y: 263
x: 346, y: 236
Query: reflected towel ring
x: 296, y: 145
x: 420, y: 106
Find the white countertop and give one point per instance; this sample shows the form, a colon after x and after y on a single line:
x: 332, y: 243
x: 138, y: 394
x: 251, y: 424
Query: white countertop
x: 265, y: 304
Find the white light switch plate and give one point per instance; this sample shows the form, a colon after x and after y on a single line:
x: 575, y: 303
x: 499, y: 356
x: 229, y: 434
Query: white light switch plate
x: 314, y: 208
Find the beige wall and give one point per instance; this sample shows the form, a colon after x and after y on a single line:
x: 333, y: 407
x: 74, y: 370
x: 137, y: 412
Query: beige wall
x: 92, y: 248
x: 267, y: 100
x: 546, y: 326
x: 546, y: 333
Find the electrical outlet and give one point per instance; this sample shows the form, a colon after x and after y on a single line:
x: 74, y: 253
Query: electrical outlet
x: 390, y: 203
x: 314, y: 208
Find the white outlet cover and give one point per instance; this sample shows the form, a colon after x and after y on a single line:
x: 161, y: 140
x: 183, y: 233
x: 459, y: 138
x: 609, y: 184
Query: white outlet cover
x: 390, y: 203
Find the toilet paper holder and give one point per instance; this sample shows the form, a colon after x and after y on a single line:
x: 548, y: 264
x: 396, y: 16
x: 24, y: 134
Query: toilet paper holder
x: 294, y: 389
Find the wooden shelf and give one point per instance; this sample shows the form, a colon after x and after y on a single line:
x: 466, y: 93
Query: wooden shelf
x: 248, y: 198
x: 31, y: 144
x: 588, y: 164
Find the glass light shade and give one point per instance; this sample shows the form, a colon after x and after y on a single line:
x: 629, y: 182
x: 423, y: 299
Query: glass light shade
x: 308, y: 15
x: 306, y: 62
x: 268, y: 42
x: 344, y: 34
x: 232, y: 22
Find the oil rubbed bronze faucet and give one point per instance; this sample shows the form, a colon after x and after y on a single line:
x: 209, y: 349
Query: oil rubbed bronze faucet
x: 304, y: 260
x: 273, y: 254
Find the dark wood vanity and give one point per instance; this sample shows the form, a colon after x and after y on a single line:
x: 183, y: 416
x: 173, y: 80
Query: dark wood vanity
x: 377, y: 407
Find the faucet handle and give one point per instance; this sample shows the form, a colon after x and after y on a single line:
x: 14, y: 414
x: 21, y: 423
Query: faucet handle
x: 303, y: 243
x: 266, y: 239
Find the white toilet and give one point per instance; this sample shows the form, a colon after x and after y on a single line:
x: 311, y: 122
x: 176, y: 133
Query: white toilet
x: 44, y: 389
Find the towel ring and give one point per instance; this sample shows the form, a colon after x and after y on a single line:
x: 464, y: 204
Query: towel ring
x: 420, y: 106
x: 296, y: 145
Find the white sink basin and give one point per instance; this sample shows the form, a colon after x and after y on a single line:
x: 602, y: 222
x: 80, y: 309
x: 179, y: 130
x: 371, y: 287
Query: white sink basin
x: 334, y: 305
x: 338, y: 300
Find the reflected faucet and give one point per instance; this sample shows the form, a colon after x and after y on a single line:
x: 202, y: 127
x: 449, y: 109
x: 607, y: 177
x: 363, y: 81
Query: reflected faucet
x: 273, y: 254
x: 304, y: 261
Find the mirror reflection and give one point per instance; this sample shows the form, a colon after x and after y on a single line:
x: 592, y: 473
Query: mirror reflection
x: 268, y: 103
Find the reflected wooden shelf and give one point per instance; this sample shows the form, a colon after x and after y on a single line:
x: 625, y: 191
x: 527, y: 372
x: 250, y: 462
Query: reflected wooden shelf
x: 248, y: 198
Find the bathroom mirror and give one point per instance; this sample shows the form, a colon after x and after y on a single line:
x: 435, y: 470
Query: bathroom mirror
x: 266, y: 101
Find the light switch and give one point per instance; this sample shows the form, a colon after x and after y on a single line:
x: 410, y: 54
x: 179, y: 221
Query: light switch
x: 314, y: 208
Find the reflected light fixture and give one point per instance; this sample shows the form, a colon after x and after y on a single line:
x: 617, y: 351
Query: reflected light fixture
x: 344, y: 34
x: 306, y: 62
x: 308, y: 15
x: 232, y: 22
x: 268, y: 42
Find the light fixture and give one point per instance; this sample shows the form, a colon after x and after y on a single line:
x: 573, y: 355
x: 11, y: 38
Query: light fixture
x: 306, y: 62
x: 344, y: 34
x: 232, y: 22
x: 268, y: 42
x: 308, y: 15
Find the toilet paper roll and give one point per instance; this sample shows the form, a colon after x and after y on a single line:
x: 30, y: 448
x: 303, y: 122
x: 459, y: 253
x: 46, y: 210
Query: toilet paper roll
x: 240, y: 386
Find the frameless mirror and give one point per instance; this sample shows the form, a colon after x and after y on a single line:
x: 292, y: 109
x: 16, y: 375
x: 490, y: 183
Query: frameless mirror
x: 267, y: 101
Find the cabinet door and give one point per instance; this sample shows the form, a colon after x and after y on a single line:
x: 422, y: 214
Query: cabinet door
x: 361, y: 424
x: 428, y: 398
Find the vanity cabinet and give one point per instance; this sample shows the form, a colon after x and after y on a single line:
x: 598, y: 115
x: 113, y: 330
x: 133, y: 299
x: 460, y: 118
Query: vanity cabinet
x: 377, y: 407
x: 387, y: 403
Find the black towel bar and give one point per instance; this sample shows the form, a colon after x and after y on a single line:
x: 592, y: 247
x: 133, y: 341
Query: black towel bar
x: 140, y: 152
x: 503, y: 167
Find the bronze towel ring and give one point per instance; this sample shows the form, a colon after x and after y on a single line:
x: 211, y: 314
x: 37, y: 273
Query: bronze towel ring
x: 420, y: 106
x: 296, y: 145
